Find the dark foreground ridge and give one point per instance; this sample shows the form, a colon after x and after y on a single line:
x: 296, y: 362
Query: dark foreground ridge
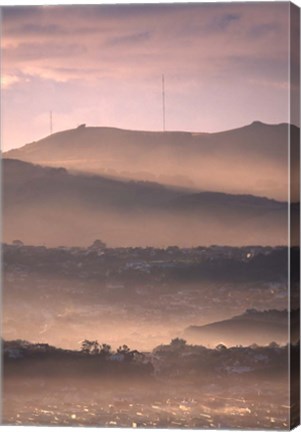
x: 177, y: 359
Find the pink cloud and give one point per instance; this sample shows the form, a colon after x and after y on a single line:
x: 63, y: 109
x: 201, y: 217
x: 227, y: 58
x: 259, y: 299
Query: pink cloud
x: 220, y: 54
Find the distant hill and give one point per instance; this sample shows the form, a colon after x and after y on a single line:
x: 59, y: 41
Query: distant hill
x: 51, y: 206
x: 248, y: 160
x: 260, y: 327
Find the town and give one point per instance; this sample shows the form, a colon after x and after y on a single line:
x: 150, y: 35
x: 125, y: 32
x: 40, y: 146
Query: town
x: 151, y: 295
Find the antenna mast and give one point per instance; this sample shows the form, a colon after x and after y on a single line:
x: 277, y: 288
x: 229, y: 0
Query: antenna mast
x: 50, y: 119
x: 163, y: 102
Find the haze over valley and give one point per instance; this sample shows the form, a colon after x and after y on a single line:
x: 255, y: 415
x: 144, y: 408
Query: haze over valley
x: 187, y: 254
x: 47, y: 206
x: 150, y: 207
x: 175, y: 188
x: 257, y: 154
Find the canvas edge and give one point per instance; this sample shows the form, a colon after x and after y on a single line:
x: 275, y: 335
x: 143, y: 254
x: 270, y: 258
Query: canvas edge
x: 294, y: 219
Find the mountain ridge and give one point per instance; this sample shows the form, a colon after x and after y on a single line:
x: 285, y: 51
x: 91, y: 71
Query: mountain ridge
x: 51, y: 204
x: 257, y: 154
x: 150, y: 132
x: 252, y: 326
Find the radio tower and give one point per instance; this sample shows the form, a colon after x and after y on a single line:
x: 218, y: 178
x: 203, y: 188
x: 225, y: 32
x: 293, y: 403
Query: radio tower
x: 50, y: 120
x: 163, y: 102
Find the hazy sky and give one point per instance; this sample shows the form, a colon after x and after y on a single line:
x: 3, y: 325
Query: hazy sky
x: 225, y: 65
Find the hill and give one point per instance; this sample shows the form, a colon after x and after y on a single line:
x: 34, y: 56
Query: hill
x: 248, y: 160
x: 51, y: 206
x: 260, y: 327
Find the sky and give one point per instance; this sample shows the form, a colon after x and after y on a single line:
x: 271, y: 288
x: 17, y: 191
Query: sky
x: 225, y: 66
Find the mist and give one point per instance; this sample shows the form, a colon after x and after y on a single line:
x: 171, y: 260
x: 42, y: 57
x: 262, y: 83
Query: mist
x: 47, y: 206
x: 195, y: 160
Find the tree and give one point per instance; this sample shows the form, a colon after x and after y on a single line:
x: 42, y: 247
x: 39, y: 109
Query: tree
x: 90, y: 347
x: 138, y: 357
x: 178, y: 343
x: 221, y: 347
x: 98, y: 245
x: 105, y: 350
x: 254, y: 346
x: 274, y: 345
x: 18, y: 243
x: 124, y: 350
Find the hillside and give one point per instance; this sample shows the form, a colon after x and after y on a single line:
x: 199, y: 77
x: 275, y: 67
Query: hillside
x: 247, y: 160
x: 50, y: 206
x: 260, y: 327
